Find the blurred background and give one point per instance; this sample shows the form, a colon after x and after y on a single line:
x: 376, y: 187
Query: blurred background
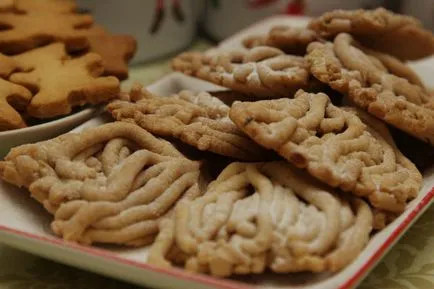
x: 163, y: 27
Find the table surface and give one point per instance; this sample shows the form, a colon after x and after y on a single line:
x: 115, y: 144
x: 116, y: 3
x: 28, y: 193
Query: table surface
x: 409, y: 264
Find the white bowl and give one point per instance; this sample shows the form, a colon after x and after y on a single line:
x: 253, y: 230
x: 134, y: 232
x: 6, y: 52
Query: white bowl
x: 12, y: 138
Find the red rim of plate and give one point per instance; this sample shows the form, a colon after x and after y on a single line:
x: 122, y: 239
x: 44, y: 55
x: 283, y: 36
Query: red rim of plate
x: 221, y: 283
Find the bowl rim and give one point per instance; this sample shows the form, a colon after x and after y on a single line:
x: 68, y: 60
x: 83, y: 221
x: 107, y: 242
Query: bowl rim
x: 51, y: 124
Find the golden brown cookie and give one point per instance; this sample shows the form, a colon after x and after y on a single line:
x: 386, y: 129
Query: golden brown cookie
x: 334, y: 146
x: 12, y: 97
x: 346, y: 68
x: 21, y: 32
x: 45, y: 6
x: 263, y: 215
x: 108, y: 184
x: 61, y: 82
x: 7, y: 66
x: 6, y: 5
x: 394, y: 66
x: 262, y: 71
x: 197, y: 119
x: 379, y: 29
x: 291, y: 40
x: 116, y: 50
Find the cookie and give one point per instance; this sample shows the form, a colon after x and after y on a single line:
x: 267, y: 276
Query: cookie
x: 108, y: 184
x: 394, y: 66
x: 116, y: 50
x: 291, y: 40
x: 229, y: 96
x: 22, y: 32
x: 346, y: 68
x: 8, y: 65
x: 380, y: 29
x: 61, y: 82
x: 12, y: 97
x: 197, y: 119
x: 6, y: 5
x: 264, y: 72
x: 333, y: 145
x: 45, y: 6
x: 230, y: 231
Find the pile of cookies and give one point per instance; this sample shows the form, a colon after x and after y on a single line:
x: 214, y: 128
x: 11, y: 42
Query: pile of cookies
x: 292, y: 169
x: 53, y: 59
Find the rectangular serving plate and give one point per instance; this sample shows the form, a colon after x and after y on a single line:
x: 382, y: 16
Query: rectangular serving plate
x: 25, y: 225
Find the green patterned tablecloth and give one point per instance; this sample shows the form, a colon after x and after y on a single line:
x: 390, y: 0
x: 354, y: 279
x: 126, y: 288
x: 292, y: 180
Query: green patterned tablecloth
x: 409, y: 265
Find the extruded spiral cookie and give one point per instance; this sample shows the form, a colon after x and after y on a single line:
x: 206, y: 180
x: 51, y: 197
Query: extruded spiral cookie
x: 265, y: 72
x: 197, y: 119
x: 346, y: 68
x: 291, y: 40
x: 263, y: 215
x: 333, y: 145
x: 108, y: 184
x: 399, y: 35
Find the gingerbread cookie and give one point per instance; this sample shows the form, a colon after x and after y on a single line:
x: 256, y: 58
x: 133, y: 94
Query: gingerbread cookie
x: 45, y: 6
x: 108, y: 184
x: 61, y: 82
x: 6, y: 5
x: 291, y: 40
x: 346, y: 68
x: 334, y: 146
x: 264, y: 72
x: 197, y: 119
x: 380, y: 29
x: 7, y: 66
x: 116, y: 50
x: 231, y: 231
x: 12, y: 97
x: 21, y: 32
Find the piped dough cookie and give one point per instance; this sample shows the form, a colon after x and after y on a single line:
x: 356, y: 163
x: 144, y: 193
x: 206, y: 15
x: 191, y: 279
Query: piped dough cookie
x: 333, y: 145
x: 348, y: 69
x: 291, y: 40
x: 262, y: 71
x: 197, y: 119
x: 108, y: 184
x: 380, y: 29
x: 263, y: 215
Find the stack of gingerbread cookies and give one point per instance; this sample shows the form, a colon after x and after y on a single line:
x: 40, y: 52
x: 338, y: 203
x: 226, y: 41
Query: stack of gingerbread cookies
x: 291, y: 169
x: 53, y: 59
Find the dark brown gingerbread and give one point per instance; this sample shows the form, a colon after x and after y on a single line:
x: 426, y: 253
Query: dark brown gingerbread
x: 116, y: 50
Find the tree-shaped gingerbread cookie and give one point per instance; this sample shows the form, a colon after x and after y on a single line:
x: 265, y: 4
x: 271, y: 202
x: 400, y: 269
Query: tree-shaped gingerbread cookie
x: 60, y: 82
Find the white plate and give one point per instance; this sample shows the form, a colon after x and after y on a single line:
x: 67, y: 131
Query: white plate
x: 45, y: 130
x: 25, y: 225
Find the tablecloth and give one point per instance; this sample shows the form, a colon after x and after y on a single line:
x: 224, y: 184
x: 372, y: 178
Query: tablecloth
x: 409, y: 264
